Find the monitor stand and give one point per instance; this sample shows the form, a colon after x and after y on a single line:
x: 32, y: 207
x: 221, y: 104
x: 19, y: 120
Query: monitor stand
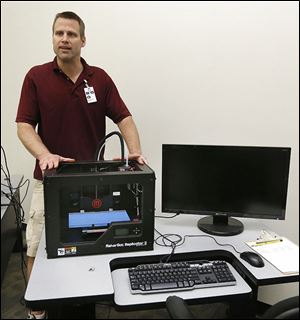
x: 220, y: 225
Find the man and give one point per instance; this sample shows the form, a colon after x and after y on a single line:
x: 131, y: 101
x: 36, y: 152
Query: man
x: 68, y: 101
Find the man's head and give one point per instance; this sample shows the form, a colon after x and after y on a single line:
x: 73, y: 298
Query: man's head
x: 68, y: 34
x: 72, y: 16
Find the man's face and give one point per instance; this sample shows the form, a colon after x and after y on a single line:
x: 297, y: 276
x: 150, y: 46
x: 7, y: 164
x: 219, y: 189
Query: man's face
x: 67, y: 42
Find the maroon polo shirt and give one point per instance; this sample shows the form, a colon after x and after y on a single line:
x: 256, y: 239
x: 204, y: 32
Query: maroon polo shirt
x: 67, y: 124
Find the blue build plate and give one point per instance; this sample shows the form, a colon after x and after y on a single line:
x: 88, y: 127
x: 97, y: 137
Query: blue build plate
x: 96, y: 219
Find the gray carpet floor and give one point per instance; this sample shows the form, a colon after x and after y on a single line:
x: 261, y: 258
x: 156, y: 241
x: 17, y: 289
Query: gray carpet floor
x: 13, y: 307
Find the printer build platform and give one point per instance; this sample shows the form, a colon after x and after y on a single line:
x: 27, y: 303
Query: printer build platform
x: 97, y: 207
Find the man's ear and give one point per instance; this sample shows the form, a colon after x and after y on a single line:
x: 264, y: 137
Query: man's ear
x: 83, y: 42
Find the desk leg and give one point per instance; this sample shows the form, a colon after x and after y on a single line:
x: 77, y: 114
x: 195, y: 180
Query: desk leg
x: 84, y: 311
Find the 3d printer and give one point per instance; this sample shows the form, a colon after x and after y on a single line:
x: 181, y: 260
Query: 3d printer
x: 96, y: 207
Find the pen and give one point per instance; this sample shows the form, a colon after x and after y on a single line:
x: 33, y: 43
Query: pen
x: 267, y: 242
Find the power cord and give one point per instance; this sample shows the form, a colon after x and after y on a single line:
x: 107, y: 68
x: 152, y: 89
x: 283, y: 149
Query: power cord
x: 203, y: 235
x: 165, y: 217
x: 165, y: 240
x: 101, y: 144
x: 17, y: 205
x: 173, y: 243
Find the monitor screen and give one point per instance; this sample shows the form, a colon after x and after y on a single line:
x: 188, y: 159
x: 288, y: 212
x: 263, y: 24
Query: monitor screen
x: 223, y: 182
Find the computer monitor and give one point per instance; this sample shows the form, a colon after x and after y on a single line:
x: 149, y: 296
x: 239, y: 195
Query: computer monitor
x: 222, y: 182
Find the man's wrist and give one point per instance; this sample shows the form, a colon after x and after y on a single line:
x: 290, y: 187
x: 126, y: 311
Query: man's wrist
x: 42, y: 155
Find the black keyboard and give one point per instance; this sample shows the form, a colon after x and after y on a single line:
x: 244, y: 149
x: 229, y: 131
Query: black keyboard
x: 174, y: 276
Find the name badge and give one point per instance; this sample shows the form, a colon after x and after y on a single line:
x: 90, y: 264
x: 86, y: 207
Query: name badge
x: 90, y: 95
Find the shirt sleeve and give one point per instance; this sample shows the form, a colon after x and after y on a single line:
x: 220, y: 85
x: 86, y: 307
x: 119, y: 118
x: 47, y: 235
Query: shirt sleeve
x: 28, y: 110
x: 116, y: 109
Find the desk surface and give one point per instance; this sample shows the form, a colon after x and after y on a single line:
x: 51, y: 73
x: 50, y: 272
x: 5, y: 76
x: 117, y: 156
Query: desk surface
x: 91, y: 276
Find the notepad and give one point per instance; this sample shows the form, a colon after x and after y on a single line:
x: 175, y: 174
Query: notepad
x: 283, y: 255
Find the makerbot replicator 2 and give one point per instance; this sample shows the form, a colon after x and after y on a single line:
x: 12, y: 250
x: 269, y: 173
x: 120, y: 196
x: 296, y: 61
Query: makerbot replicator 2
x: 96, y: 207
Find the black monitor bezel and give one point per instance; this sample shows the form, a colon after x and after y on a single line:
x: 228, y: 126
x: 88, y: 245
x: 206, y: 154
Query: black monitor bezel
x: 239, y: 214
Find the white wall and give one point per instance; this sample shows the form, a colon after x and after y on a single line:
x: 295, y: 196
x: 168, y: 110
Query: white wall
x: 205, y: 72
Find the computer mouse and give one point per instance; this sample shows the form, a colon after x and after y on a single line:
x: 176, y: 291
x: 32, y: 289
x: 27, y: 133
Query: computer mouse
x: 252, y: 258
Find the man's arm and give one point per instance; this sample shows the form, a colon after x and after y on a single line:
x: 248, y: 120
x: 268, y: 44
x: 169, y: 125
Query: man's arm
x: 33, y: 143
x: 131, y: 136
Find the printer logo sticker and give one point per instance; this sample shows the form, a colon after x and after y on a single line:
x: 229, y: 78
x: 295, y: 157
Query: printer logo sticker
x: 97, y: 203
x: 60, y: 251
x: 66, y: 251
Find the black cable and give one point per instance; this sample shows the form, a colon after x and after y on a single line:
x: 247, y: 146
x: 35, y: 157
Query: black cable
x: 173, y: 243
x: 204, y: 235
x: 17, y: 206
x: 101, y: 143
x: 6, y: 166
x: 17, y: 188
x: 165, y: 217
x: 178, y: 244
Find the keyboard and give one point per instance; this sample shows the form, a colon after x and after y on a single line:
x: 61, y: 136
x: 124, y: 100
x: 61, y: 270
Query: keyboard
x: 176, y: 276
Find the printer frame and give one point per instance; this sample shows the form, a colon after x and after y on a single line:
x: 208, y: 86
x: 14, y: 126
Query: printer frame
x: 134, y: 235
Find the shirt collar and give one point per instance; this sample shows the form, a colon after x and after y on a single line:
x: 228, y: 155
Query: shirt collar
x: 86, y: 68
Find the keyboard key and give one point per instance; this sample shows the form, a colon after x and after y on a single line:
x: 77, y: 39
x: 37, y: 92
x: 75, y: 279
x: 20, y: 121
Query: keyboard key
x: 163, y: 286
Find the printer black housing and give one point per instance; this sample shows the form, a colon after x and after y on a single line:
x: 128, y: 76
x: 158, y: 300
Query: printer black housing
x: 97, y: 189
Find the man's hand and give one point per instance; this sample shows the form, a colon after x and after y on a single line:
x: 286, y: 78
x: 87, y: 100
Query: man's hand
x: 50, y: 161
x: 134, y: 156
x: 33, y: 143
x: 138, y: 157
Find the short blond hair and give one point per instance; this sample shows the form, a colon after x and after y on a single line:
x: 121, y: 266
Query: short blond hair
x: 73, y: 16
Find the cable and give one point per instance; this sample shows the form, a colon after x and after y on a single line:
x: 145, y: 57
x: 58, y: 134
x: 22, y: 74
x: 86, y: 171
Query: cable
x: 164, y: 217
x: 16, y: 188
x: 204, y: 235
x: 17, y: 206
x: 177, y: 243
x: 173, y: 243
x: 102, y: 142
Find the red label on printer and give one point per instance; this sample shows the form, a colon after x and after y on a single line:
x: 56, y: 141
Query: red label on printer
x: 96, y: 203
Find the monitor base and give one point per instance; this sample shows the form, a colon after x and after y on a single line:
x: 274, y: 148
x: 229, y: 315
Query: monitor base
x: 220, y: 225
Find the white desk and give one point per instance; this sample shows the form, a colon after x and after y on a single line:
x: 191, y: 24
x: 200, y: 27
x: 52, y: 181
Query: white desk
x: 89, y: 278
x: 187, y: 225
